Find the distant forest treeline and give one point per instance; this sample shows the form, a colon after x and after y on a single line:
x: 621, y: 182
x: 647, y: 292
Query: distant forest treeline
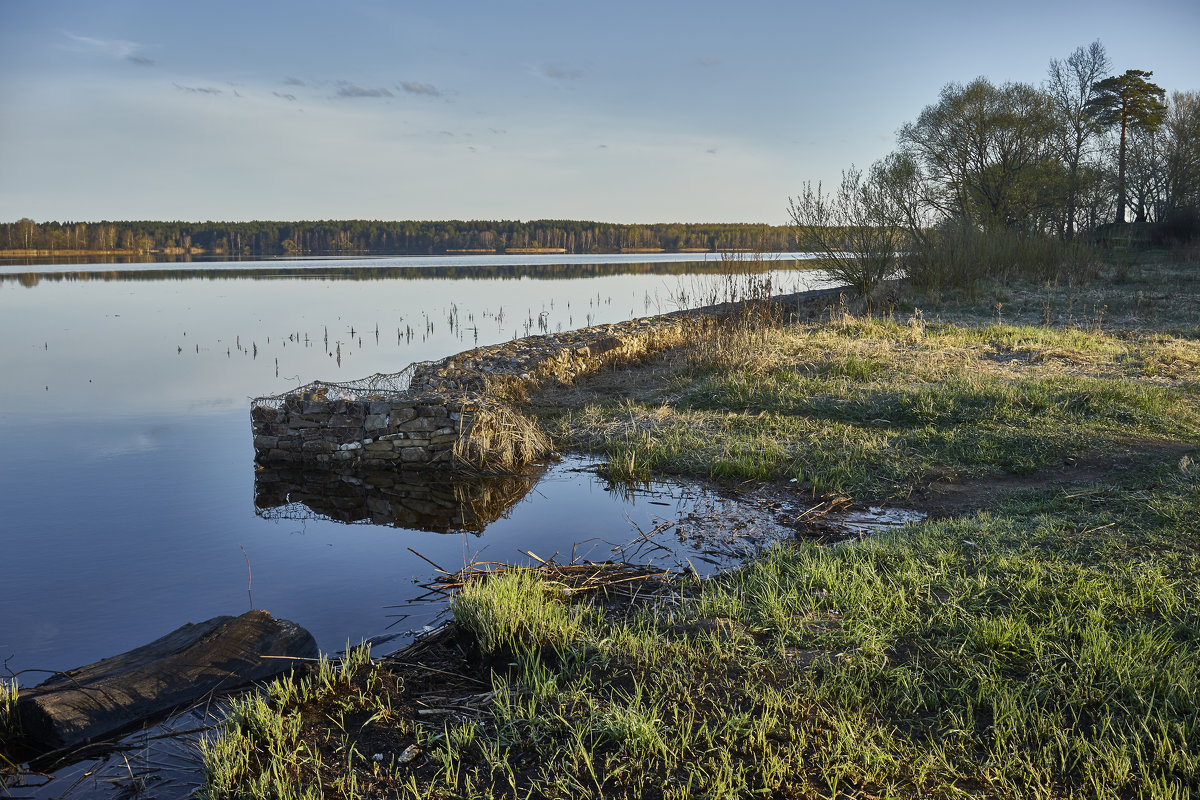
x: 372, y: 237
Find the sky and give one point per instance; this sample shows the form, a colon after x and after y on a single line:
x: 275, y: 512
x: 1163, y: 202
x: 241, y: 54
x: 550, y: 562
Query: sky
x: 475, y: 109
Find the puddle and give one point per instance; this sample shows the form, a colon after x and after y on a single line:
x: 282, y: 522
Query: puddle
x: 857, y: 524
x: 569, y: 514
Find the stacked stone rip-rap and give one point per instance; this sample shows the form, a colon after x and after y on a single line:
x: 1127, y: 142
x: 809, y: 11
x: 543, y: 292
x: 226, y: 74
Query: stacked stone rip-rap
x: 449, y: 414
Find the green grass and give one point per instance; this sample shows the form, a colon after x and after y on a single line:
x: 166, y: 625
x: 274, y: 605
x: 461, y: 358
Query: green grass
x: 874, y: 407
x: 262, y: 750
x: 514, y: 610
x: 1023, y: 651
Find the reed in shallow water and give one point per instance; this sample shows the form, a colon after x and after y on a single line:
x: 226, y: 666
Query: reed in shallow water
x: 8, y: 708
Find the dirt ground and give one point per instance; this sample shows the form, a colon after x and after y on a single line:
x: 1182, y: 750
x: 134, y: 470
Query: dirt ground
x: 775, y: 504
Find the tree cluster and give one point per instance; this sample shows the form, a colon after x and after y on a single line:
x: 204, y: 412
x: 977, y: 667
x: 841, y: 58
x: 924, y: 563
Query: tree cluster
x: 1075, y: 157
x: 385, y: 238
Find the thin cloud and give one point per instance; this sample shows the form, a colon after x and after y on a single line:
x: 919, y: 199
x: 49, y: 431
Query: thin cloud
x: 560, y: 73
x: 197, y: 89
x: 709, y: 62
x: 285, y: 96
x: 351, y: 90
x: 290, y: 81
x: 122, y: 49
x: 412, y: 87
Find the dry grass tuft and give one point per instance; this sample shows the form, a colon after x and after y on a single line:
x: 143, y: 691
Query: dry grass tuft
x: 501, y: 439
x: 9, y: 722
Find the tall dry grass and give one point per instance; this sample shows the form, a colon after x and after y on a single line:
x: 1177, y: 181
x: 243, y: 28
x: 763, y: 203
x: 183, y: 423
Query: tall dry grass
x: 960, y: 257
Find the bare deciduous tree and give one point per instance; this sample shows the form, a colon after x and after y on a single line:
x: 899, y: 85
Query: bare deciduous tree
x: 855, y: 228
x: 1069, y: 86
x: 1181, y: 131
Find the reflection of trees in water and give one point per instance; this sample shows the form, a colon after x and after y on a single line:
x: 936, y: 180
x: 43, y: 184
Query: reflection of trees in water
x: 418, y: 500
x: 509, y: 272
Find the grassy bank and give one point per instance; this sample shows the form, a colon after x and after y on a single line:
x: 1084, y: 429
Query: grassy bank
x: 1042, y: 642
x: 877, y: 407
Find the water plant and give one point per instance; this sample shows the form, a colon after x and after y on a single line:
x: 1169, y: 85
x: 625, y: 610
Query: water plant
x: 10, y: 724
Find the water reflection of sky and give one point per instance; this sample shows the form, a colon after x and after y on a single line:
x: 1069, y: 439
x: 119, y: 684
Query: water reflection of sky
x: 127, y: 491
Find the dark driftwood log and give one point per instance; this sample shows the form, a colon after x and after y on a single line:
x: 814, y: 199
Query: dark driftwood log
x: 176, y: 670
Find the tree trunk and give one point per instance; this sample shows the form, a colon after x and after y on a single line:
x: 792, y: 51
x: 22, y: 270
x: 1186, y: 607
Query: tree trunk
x: 1121, y: 200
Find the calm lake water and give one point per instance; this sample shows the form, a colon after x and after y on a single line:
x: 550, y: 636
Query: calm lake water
x: 128, y: 496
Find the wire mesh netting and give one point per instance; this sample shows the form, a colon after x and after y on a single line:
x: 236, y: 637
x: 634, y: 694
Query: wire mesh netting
x: 379, y: 386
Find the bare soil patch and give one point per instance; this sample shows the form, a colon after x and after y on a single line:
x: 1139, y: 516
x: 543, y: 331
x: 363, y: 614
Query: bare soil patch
x: 944, y: 496
x: 832, y: 518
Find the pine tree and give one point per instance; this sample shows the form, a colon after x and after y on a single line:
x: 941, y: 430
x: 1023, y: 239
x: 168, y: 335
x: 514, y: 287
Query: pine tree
x: 1131, y: 101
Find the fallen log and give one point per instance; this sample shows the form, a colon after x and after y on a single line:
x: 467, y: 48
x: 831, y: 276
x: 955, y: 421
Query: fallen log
x: 173, y: 671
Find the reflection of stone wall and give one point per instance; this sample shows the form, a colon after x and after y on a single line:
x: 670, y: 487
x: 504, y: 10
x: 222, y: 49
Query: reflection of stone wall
x: 418, y: 499
x: 450, y: 417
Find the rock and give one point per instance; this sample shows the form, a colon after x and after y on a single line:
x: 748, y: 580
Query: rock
x: 182, y: 667
x: 423, y: 424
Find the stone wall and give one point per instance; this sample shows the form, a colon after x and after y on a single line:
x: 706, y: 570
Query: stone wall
x: 413, y: 431
x: 452, y: 414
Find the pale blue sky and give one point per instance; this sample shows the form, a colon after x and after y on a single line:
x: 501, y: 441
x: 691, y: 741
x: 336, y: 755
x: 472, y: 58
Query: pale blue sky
x: 616, y: 111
